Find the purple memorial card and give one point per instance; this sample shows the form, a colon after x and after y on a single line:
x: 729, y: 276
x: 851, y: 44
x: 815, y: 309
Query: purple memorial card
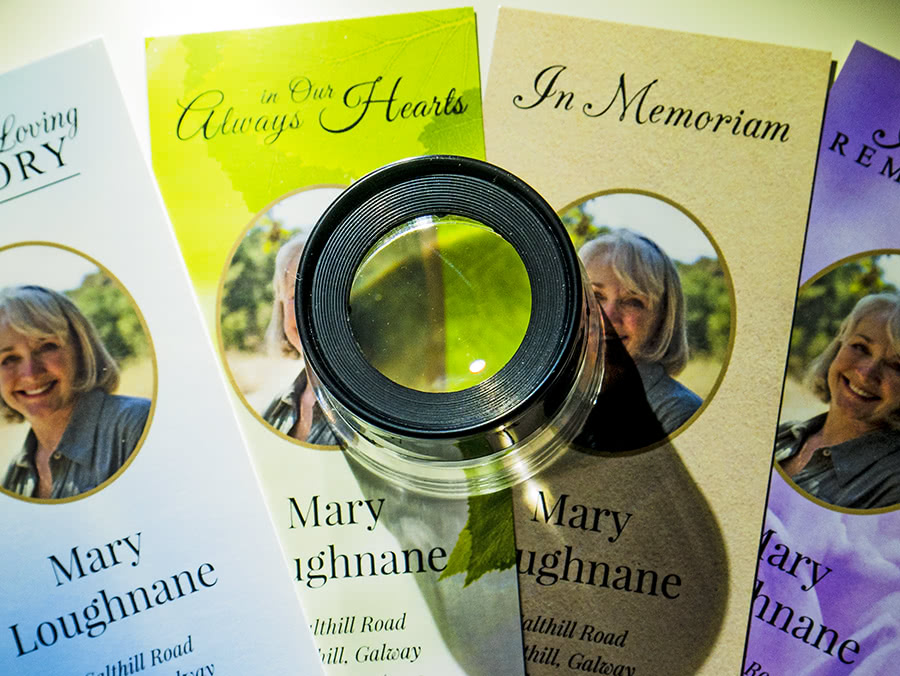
x: 826, y: 599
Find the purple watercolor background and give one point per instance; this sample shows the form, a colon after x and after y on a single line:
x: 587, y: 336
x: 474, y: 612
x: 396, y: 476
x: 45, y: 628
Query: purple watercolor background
x: 855, y: 209
x: 859, y: 598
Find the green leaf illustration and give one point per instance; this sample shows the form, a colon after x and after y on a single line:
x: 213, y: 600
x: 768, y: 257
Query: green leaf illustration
x: 487, y: 542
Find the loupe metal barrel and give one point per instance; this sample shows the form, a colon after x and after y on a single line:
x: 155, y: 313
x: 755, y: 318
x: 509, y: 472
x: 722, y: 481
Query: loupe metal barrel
x: 445, y: 323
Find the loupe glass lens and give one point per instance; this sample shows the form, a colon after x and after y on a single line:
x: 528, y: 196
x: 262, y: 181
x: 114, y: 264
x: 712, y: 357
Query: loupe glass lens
x: 440, y: 303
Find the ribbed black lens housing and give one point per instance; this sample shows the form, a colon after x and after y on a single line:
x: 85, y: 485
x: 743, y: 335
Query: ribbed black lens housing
x: 520, y: 399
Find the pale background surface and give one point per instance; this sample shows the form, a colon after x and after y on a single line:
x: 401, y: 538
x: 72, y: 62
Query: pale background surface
x: 36, y: 28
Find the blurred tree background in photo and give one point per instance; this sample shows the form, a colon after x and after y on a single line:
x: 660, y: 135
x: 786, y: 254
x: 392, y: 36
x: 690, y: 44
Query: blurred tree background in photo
x: 248, y: 295
x: 111, y: 312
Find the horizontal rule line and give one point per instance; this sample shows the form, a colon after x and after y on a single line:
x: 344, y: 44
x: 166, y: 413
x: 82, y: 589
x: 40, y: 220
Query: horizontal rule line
x: 28, y: 192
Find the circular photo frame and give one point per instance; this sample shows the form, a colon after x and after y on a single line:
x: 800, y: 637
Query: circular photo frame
x: 77, y: 374
x: 665, y: 288
x: 256, y: 322
x: 838, y: 439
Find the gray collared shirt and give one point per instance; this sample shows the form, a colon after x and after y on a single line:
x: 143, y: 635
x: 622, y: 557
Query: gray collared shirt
x: 671, y: 402
x: 862, y: 473
x: 282, y: 413
x: 101, y: 435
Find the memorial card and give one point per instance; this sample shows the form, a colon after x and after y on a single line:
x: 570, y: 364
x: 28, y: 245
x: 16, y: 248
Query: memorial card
x: 135, y: 534
x: 825, y: 596
x: 253, y: 134
x: 682, y: 167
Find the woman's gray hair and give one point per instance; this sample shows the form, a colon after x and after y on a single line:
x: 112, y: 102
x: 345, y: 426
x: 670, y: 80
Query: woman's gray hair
x: 276, y: 341
x: 39, y: 313
x: 645, y: 268
x: 876, y: 303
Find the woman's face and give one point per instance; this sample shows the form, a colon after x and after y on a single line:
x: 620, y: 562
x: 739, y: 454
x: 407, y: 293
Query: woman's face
x: 287, y: 302
x: 864, y: 377
x: 630, y: 313
x: 36, y: 374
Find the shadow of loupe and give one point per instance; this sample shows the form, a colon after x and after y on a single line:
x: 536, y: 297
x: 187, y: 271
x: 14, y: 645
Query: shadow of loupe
x: 620, y: 559
x: 474, y: 600
x: 622, y: 419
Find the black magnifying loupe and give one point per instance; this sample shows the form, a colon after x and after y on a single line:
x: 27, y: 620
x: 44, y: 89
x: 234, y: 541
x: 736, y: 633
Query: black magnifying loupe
x: 452, y: 340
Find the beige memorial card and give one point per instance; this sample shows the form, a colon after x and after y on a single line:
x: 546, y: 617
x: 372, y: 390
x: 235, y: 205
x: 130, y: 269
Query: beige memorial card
x: 682, y: 167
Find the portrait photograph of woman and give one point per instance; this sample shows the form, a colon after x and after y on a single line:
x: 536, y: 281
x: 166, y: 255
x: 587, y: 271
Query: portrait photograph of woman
x: 76, y: 374
x: 665, y: 293
x: 839, y: 437
x: 257, y: 325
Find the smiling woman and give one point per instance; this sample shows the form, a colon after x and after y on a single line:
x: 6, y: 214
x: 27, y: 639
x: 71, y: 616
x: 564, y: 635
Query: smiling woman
x: 849, y: 456
x: 56, y: 375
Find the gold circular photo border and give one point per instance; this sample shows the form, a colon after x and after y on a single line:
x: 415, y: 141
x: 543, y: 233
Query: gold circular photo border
x: 726, y: 361
x: 220, y: 342
x: 803, y: 287
x: 155, y: 380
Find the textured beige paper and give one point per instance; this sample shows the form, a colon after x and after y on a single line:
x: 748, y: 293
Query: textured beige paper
x: 697, y: 501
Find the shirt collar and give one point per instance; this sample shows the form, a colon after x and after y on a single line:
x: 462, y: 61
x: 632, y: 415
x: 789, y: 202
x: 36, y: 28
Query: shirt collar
x: 798, y: 431
x: 852, y: 458
x: 790, y: 436
x: 23, y: 459
x: 651, y: 373
x: 77, y: 443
